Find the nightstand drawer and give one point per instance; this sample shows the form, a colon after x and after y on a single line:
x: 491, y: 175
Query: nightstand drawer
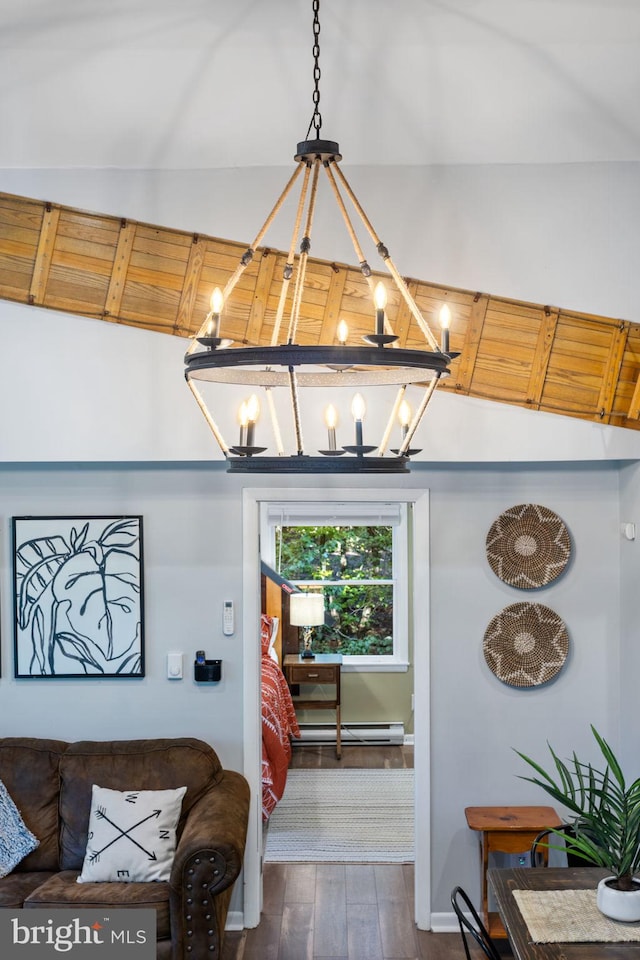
x: 323, y: 671
x: 311, y: 674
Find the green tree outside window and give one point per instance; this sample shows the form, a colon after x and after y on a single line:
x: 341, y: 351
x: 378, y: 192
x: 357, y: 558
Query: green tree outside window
x: 355, y: 568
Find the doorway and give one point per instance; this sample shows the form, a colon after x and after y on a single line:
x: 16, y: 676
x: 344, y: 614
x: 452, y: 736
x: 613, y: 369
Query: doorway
x: 253, y: 501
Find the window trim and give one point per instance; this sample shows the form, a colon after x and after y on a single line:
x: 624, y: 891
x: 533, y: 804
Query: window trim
x: 365, y: 513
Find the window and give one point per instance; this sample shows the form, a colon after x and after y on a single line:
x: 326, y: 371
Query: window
x: 357, y: 554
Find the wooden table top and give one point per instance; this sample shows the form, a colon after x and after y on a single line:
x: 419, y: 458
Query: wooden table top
x: 511, y: 818
x: 504, y: 882
x: 322, y: 659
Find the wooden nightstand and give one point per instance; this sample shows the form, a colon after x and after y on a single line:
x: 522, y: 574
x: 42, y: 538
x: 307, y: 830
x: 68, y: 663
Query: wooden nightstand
x: 323, y: 670
x: 506, y: 830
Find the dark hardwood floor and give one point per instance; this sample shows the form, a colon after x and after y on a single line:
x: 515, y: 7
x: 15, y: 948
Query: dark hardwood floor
x: 370, y: 756
x: 342, y: 911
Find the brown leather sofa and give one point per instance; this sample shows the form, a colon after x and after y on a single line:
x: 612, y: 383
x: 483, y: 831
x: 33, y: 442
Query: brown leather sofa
x: 51, y: 781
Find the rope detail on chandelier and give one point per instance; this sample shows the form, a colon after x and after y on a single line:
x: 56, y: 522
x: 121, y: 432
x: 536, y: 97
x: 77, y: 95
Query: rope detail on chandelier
x: 285, y: 368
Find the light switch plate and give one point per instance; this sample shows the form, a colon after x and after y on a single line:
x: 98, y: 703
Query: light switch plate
x: 174, y: 666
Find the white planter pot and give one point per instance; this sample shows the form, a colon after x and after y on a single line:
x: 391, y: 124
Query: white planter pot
x: 618, y: 904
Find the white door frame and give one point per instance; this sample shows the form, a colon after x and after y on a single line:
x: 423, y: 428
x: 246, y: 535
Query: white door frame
x: 252, y: 739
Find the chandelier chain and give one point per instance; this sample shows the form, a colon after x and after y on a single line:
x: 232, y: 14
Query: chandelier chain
x: 316, y: 118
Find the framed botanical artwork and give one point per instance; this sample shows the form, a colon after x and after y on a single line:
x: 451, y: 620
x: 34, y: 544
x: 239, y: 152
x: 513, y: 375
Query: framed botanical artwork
x: 78, y: 597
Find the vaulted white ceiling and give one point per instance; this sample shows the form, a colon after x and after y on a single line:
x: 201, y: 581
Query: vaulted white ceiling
x: 226, y: 83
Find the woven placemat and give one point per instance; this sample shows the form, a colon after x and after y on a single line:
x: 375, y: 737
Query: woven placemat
x: 570, y: 916
x: 528, y: 546
x: 526, y: 644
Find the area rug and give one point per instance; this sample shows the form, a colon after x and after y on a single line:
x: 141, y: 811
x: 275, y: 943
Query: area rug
x: 344, y: 816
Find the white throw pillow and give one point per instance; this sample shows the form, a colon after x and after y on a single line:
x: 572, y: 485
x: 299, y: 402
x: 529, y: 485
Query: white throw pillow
x: 272, y: 640
x: 16, y: 840
x: 132, y: 835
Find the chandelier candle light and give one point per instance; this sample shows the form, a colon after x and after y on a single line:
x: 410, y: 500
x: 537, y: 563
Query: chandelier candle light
x: 331, y: 420
x: 380, y: 363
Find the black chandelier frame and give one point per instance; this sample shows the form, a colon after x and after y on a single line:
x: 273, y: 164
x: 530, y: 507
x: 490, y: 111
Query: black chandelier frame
x: 379, y: 362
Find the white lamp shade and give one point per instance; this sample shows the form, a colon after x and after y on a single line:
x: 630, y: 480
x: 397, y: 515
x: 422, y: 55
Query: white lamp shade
x: 306, y: 609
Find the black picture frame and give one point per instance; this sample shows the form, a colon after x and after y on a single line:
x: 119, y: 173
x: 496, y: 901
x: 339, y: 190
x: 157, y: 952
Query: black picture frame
x: 78, y: 597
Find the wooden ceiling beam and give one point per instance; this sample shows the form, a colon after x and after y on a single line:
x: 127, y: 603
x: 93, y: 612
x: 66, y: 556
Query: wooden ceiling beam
x: 471, y: 345
x: 331, y: 317
x: 634, y: 407
x: 546, y: 336
x: 612, y: 372
x: 160, y: 279
x: 44, y: 254
x: 113, y: 303
x: 402, y: 324
x: 257, y: 311
x: 185, y: 322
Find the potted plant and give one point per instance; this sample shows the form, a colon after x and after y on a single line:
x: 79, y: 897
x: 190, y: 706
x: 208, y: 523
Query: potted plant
x: 606, y: 824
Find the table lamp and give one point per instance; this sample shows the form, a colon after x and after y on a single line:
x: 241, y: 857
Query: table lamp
x: 306, y: 610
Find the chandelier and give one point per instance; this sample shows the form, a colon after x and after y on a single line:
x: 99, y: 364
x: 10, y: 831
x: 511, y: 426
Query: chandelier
x: 277, y: 375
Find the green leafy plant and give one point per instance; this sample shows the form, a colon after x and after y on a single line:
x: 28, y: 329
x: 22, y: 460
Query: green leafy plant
x: 606, y: 810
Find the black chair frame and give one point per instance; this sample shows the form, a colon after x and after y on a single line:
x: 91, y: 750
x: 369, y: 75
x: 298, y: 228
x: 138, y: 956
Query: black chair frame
x: 573, y: 859
x: 474, y: 927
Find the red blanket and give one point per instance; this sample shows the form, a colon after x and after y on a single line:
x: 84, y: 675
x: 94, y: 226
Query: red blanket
x: 279, y: 724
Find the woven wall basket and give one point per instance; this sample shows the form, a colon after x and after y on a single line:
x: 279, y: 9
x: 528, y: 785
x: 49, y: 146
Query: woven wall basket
x: 526, y: 644
x: 528, y: 546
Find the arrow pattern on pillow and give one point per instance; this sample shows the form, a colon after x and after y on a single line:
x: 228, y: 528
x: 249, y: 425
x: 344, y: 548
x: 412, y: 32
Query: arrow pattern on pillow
x: 101, y: 814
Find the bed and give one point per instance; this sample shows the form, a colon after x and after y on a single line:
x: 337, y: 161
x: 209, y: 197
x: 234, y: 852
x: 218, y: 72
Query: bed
x: 279, y: 723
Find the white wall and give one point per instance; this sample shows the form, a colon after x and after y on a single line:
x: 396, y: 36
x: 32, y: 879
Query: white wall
x: 630, y: 618
x: 476, y: 719
x: 192, y: 557
x: 192, y: 531
x: 112, y: 429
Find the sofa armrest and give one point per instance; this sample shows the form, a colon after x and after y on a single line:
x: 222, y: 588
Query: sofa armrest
x: 208, y: 860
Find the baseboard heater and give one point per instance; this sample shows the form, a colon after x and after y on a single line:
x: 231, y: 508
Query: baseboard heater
x: 391, y: 733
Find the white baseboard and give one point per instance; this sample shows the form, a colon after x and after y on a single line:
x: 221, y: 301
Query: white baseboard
x: 444, y: 923
x: 440, y: 922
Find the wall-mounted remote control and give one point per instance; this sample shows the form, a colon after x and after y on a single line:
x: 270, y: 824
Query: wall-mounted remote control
x: 227, y: 618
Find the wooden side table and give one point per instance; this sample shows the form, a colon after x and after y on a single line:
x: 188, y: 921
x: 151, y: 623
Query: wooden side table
x: 506, y: 830
x: 323, y: 670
